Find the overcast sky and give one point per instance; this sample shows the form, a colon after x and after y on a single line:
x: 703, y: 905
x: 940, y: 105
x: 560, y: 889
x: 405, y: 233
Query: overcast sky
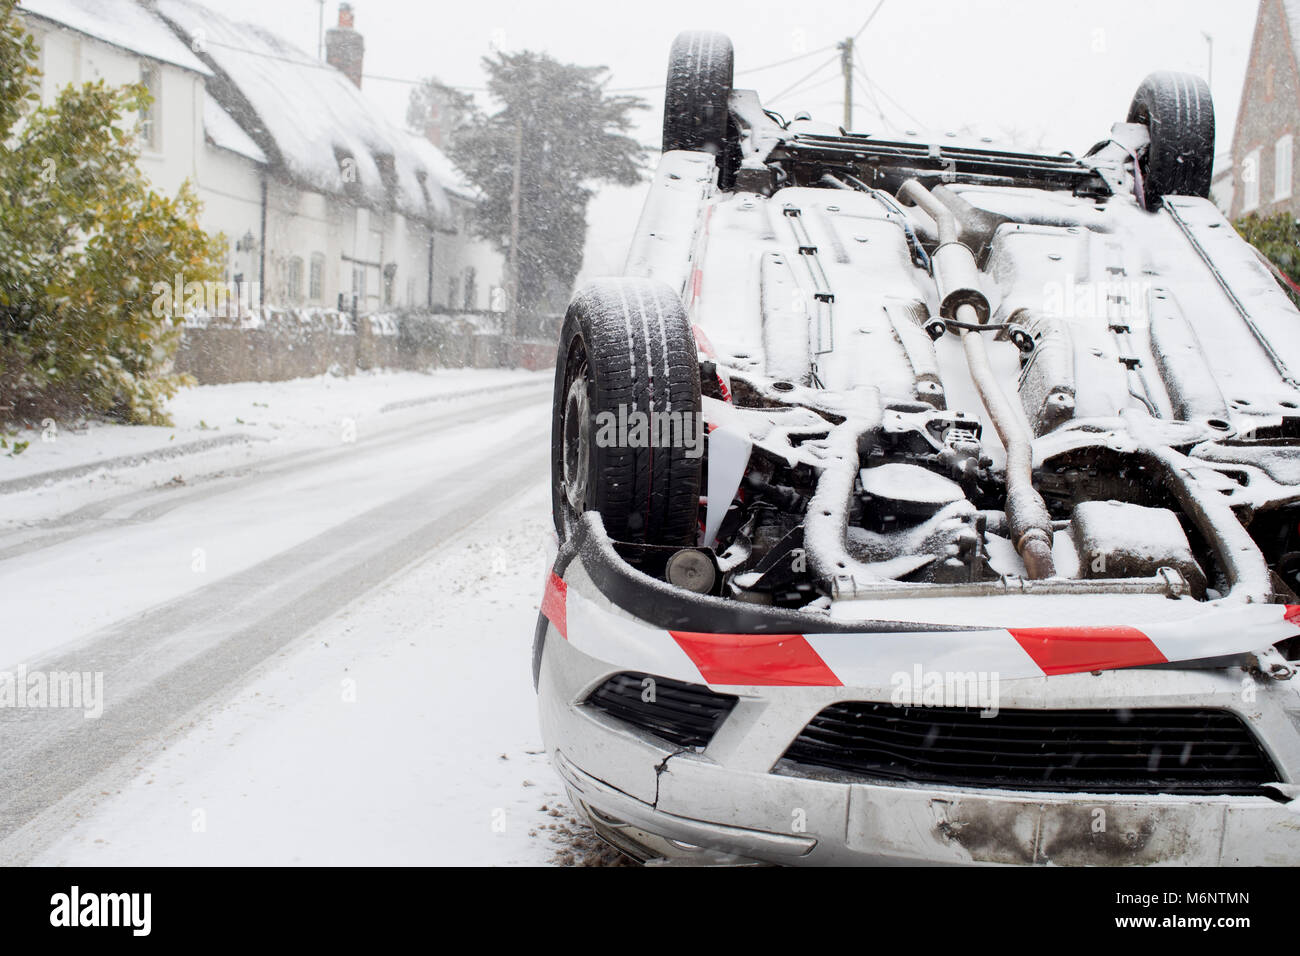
x: 1052, y: 73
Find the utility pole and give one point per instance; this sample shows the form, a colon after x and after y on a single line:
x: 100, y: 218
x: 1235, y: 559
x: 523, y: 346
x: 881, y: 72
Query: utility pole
x: 320, y: 33
x: 511, y: 329
x: 846, y: 64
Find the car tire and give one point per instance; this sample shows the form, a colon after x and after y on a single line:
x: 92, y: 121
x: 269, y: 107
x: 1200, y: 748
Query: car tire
x: 696, y: 97
x: 627, y: 346
x: 1178, y: 111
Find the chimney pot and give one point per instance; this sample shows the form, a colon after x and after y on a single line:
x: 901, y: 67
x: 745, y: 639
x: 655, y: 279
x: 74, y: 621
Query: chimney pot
x: 345, y: 48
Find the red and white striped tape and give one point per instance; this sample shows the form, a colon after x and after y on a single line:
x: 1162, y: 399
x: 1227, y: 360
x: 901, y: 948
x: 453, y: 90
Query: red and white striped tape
x: 871, y: 659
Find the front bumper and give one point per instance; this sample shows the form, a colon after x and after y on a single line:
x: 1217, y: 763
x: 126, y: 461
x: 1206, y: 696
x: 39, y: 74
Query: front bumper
x: 723, y: 804
x: 730, y: 802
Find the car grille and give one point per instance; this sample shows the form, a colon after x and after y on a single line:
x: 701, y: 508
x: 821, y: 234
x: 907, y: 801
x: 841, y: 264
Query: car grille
x: 1098, y: 751
x: 683, y: 714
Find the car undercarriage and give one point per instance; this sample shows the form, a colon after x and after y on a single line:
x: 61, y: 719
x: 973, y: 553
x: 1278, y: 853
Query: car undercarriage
x: 960, y: 409
x: 897, y: 331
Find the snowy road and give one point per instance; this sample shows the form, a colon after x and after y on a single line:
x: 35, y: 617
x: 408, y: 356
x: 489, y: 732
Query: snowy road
x: 320, y: 656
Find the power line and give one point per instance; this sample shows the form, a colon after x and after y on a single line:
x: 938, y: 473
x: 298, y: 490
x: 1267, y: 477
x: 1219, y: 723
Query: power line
x: 902, y: 109
x: 420, y: 82
x: 870, y: 95
x: 867, y: 23
x: 875, y: 101
x: 835, y: 56
x: 847, y: 63
x: 766, y: 66
x: 315, y: 65
x: 752, y: 69
x: 793, y: 59
x: 381, y: 78
x: 808, y: 88
x: 885, y: 121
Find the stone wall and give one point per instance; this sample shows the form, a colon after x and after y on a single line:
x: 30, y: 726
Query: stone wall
x: 274, y: 345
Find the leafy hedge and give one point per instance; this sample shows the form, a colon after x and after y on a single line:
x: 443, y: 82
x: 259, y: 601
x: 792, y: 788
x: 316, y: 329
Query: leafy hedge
x: 83, y: 240
x: 1278, y: 237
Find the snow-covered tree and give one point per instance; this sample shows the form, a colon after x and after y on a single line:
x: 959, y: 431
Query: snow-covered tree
x: 569, y: 135
x: 436, y: 111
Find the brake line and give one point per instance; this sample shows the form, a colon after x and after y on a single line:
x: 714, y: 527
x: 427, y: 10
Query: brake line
x: 852, y: 183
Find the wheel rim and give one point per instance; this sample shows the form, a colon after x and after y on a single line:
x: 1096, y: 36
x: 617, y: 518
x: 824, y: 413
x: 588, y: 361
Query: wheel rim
x: 577, y: 442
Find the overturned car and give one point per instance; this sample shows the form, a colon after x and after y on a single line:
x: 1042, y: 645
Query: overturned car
x: 927, y: 502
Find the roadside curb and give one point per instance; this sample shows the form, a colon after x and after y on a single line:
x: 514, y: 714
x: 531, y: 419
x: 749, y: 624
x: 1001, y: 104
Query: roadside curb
x: 40, y: 479
x: 448, y: 396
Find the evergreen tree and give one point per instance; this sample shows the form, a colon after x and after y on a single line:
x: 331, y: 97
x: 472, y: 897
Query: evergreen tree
x: 437, y: 111
x: 570, y: 135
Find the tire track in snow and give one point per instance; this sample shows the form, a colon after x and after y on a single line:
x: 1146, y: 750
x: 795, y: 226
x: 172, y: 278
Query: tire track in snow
x: 162, y: 666
x: 158, y: 501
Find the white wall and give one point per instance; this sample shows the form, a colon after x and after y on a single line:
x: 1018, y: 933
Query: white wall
x: 457, y: 252
x: 68, y: 57
x: 229, y: 186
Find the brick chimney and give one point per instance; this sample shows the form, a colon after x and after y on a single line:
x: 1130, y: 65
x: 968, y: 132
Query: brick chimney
x: 441, y: 118
x: 345, y: 48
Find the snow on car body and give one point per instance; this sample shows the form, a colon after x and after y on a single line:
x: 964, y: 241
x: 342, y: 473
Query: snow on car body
x: 991, y: 554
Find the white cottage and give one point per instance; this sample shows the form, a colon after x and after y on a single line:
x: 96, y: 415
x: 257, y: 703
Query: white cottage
x: 322, y: 201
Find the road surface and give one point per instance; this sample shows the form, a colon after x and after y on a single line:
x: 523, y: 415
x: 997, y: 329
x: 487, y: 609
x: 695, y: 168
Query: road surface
x: 319, y: 656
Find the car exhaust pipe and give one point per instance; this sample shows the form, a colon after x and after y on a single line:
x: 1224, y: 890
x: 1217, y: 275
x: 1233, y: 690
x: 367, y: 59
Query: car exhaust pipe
x: 962, y: 301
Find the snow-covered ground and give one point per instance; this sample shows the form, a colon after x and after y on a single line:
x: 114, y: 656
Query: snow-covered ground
x: 235, y: 422
x: 400, y: 731
x: 315, y: 648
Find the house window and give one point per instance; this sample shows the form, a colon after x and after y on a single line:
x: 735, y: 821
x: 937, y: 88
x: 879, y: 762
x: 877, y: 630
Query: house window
x: 358, y: 286
x: 295, y: 280
x: 1282, y: 168
x: 390, y: 280
x: 471, y: 289
x: 150, y: 131
x: 1250, y: 182
x: 316, y: 284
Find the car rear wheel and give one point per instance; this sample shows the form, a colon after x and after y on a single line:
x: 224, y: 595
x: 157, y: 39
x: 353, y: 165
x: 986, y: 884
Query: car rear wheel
x: 1178, y: 112
x: 626, y: 435
x: 696, y: 98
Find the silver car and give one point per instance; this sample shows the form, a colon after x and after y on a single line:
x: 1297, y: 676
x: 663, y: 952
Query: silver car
x: 927, y: 502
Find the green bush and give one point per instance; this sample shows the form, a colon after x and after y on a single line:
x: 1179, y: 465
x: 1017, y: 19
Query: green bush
x: 83, y: 240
